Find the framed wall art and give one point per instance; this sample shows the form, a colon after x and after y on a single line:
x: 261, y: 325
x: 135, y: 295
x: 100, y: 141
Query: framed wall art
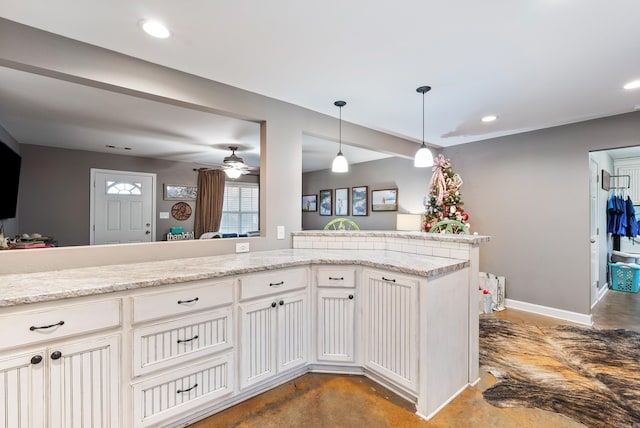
x: 384, y: 200
x: 342, y: 201
x: 326, y: 205
x: 180, y: 192
x: 359, y: 201
x: 309, y: 203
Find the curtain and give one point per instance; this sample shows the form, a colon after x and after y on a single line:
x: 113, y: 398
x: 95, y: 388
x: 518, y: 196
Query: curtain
x: 209, y: 201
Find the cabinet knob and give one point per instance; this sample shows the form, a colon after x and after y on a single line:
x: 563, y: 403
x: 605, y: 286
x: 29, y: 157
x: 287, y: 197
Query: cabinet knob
x: 281, y: 302
x: 274, y: 304
x: 36, y: 359
x: 350, y: 296
x: 56, y: 355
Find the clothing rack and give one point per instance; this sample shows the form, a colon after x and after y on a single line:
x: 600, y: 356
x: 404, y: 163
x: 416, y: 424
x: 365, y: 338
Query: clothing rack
x: 628, y: 177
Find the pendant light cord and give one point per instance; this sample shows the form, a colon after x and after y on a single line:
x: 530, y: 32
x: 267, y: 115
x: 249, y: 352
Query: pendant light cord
x: 340, y: 133
x: 423, y: 118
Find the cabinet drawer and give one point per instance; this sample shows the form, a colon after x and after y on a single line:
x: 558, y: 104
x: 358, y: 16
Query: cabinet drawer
x: 272, y: 282
x: 184, y: 300
x: 336, y: 277
x: 162, y: 345
x: 25, y: 328
x: 157, y: 399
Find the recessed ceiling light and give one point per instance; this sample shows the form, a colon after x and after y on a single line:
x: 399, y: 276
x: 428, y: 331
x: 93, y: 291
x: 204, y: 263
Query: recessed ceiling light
x: 155, y: 29
x: 489, y: 118
x: 632, y: 85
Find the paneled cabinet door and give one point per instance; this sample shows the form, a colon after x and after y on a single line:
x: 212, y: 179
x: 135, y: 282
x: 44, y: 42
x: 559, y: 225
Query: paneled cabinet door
x: 258, y: 341
x: 22, y: 391
x: 336, y: 325
x: 84, y: 384
x: 389, y: 320
x: 274, y: 336
x: 293, y: 331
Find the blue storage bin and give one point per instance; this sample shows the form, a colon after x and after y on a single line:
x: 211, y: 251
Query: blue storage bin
x: 625, y: 277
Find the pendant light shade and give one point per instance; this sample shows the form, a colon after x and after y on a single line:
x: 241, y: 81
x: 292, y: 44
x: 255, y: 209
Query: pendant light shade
x: 424, y: 157
x: 340, y: 163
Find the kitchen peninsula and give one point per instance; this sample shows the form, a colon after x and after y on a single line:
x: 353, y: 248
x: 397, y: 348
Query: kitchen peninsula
x: 170, y: 342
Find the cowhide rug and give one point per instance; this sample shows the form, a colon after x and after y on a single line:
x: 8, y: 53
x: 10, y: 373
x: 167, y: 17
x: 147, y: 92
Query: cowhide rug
x: 589, y: 375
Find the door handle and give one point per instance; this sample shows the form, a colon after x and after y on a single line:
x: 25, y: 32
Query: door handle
x: 147, y: 232
x: 593, y: 241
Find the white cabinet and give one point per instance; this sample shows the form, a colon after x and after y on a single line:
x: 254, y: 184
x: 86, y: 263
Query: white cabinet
x: 336, y: 306
x: 84, y: 383
x: 390, y: 326
x: 22, y: 380
x: 170, y: 394
x: 274, y: 336
x: 336, y: 325
x: 82, y: 379
x: 57, y: 381
x: 172, y: 329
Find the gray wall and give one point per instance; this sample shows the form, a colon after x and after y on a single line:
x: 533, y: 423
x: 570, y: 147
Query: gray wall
x: 386, y: 173
x: 530, y: 192
x: 55, y: 190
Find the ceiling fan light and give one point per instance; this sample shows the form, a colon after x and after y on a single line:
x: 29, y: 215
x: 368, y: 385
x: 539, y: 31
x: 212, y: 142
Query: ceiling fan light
x: 233, y: 173
x: 340, y: 164
x: 423, y: 158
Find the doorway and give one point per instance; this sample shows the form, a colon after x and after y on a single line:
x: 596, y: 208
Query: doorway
x: 122, y: 207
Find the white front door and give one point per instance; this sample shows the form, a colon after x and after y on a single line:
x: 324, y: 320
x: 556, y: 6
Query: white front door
x: 594, y: 235
x: 122, y: 207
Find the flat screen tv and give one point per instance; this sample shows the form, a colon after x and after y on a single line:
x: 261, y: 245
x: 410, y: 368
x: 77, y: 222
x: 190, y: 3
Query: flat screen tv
x: 9, y: 180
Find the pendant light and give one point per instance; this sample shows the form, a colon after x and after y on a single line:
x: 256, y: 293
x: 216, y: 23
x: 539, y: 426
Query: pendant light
x: 424, y: 157
x: 340, y: 163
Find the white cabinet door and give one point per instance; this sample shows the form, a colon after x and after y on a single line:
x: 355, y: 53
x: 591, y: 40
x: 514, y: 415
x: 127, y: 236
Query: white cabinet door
x: 336, y: 325
x: 22, y: 391
x: 84, y: 384
x: 258, y: 341
x: 389, y: 320
x: 293, y: 331
x: 274, y: 336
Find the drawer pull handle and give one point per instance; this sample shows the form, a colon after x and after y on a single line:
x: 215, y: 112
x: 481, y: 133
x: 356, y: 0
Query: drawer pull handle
x: 180, y: 391
x: 181, y: 302
x: 388, y: 279
x: 350, y: 296
x: 273, y: 284
x: 36, y: 359
x: 188, y: 340
x: 336, y: 279
x: 56, y: 355
x: 33, y: 327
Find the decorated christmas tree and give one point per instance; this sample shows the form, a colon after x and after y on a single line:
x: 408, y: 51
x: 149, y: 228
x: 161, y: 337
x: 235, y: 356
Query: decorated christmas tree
x: 444, y: 209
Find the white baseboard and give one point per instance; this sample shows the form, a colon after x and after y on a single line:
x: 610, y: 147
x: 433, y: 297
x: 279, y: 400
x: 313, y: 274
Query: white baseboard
x: 547, y: 311
x: 601, y: 293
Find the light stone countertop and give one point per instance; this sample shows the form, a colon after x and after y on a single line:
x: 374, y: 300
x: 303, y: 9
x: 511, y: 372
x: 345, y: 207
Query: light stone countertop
x: 17, y: 289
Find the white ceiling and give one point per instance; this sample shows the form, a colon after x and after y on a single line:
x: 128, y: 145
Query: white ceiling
x: 534, y: 64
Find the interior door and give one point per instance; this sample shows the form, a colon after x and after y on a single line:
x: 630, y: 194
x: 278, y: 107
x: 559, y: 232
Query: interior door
x: 594, y: 234
x: 123, y: 207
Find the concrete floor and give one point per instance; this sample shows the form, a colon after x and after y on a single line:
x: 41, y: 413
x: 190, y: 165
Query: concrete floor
x: 323, y: 400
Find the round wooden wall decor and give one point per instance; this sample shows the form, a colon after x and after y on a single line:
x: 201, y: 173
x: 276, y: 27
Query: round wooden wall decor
x: 181, y: 211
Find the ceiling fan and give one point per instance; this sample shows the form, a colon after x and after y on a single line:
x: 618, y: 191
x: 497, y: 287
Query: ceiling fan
x: 234, y: 165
